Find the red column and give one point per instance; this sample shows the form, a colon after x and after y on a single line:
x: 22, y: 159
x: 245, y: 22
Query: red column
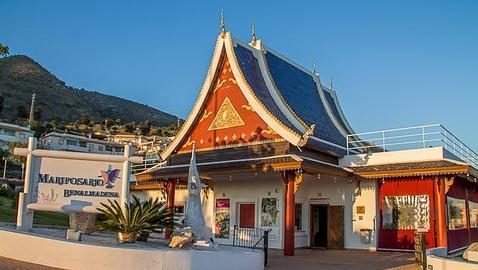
x: 440, y: 206
x: 170, y: 189
x: 289, y: 213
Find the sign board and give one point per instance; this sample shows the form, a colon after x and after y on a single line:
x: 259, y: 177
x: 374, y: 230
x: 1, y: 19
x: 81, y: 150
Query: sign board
x: 420, y: 249
x: 63, y: 181
x: 321, y: 200
x: 360, y: 210
x: 68, y: 182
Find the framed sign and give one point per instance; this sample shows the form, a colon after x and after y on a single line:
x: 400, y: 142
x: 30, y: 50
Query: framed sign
x: 223, y: 218
x: 69, y: 184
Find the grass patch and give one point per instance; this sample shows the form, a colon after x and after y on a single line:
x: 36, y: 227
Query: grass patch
x: 9, y: 214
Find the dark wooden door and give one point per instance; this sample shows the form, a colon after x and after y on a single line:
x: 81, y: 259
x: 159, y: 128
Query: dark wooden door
x: 246, y: 215
x: 319, y: 230
x: 336, y: 227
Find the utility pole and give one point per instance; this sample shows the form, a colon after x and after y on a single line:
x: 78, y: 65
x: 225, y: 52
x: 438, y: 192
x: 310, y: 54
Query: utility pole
x: 30, y: 119
x: 5, y: 167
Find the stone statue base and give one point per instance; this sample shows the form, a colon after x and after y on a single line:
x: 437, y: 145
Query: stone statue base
x: 83, y: 222
x: 182, y: 238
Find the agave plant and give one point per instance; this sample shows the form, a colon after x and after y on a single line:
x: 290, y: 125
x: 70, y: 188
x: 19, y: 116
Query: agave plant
x: 139, y: 218
x: 127, y: 223
x: 164, y: 218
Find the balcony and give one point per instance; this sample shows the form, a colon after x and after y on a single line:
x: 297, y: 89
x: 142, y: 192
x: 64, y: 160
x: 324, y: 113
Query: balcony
x: 409, y: 138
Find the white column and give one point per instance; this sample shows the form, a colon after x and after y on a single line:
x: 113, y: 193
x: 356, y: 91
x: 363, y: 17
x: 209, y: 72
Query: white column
x: 25, y: 216
x: 125, y: 177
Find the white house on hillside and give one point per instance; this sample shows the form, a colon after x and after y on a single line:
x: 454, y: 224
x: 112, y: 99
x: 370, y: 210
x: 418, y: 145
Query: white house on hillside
x: 76, y: 143
x: 10, y: 133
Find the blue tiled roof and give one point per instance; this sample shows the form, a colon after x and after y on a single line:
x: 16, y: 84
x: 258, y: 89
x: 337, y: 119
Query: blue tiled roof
x: 335, y: 110
x: 251, y: 70
x: 300, y: 91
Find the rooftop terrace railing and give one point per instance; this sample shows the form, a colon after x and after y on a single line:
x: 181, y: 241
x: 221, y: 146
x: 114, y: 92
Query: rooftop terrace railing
x: 147, y: 164
x: 411, y: 138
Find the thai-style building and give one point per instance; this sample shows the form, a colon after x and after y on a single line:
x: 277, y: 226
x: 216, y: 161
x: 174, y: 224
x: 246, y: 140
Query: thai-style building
x: 276, y: 151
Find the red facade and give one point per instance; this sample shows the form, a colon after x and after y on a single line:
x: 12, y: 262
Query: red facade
x: 228, y: 119
x: 398, y: 238
x: 455, y: 236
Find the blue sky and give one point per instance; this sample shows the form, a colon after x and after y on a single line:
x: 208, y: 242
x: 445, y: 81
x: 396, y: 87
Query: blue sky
x: 394, y: 63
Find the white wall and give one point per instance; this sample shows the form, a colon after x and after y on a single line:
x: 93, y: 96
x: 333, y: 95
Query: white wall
x: 78, y: 255
x: 248, y: 188
x: 332, y: 190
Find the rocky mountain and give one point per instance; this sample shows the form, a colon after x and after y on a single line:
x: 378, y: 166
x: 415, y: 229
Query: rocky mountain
x: 21, y: 76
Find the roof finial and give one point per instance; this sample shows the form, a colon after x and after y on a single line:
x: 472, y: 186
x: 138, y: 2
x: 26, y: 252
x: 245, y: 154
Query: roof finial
x: 314, y: 68
x: 223, y: 26
x: 330, y: 84
x: 254, y: 39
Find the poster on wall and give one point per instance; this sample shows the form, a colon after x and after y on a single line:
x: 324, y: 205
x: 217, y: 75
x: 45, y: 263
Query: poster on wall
x: 222, y: 218
x: 269, y: 212
x: 456, y: 213
x: 408, y: 212
x: 473, y: 209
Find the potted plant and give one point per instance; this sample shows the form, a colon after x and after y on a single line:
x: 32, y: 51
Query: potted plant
x: 130, y: 222
x: 164, y: 216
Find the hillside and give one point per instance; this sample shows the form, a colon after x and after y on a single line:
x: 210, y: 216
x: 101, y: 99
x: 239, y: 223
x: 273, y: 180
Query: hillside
x: 21, y: 76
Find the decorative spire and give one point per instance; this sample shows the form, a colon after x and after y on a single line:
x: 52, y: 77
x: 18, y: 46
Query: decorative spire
x: 314, y: 68
x: 330, y: 84
x: 223, y: 26
x: 254, y: 38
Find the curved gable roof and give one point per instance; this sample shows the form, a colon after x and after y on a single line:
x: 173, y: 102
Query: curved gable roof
x: 251, y: 70
x: 290, y: 99
x: 300, y: 90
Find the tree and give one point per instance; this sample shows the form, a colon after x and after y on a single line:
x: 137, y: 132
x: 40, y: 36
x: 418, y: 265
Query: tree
x: 85, y: 119
x: 1, y: 104
x: 37, y: 114
x: 129, y: 128
x: 22, y: 112
x: 11, y: 147
x: 4, y: 50
x: 145, y: 128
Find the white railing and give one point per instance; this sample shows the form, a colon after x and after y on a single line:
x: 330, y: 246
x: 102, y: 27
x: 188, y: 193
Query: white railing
x: 147, y: 164
x: 411, y: 138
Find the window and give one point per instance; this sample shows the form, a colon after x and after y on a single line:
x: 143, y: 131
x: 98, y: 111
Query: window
x: 298, y: 217
x: 22, y: 135
x: 83, y: 144
x: 473, y: 210
x: 109, y: 148
x: 61, y: 141
x: 91, y: 147
x: 101, y: 148
x: 9, y: 132
x: 456, y: 213
x: 408, y: 212
x: 71, y: 142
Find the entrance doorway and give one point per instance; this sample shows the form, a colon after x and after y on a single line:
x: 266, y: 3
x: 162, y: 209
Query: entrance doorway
x: 246, y: 215
x: 319, y: 226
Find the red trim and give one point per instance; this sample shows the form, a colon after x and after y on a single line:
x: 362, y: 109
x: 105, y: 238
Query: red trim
x: 440, y: 203
x: 289, y: 216
x: 170, y: 188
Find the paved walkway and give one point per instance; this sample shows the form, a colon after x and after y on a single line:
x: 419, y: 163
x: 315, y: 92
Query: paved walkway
x: 9, y: 264
x: 306, y: 259
x: 303, y: 260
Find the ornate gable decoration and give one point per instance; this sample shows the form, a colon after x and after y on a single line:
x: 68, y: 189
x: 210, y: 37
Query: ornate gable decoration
x: 226, y: 117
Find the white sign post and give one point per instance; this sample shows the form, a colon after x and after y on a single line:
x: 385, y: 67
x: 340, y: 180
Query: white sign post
x: 61, y: 181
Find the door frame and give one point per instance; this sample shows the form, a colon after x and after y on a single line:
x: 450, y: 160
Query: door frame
x: 311, y: 226
x: 238, y: 212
